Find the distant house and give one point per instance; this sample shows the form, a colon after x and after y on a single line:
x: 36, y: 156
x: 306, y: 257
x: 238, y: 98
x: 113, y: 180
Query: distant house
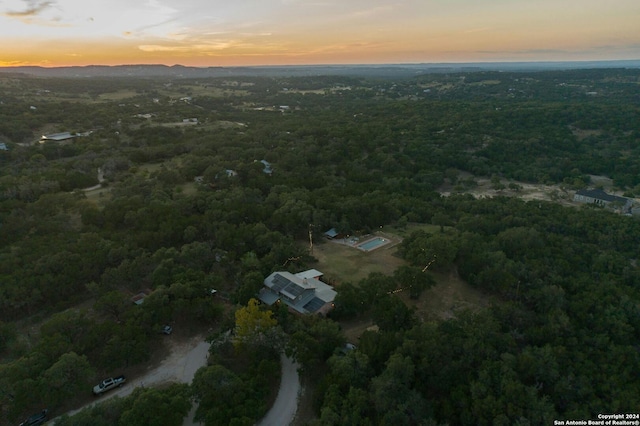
x: 63, y: 136
x: 267, y: 167
x: 57, y: 137
x: 3, y: 147
x: 601, y: 198
x: 138, y: 299
x: 301, y: 292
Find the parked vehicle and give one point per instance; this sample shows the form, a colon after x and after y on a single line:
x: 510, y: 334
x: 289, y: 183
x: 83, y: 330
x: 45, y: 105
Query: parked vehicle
x: 37, y: 419
x: 167, y: 329
x: 108, y: 384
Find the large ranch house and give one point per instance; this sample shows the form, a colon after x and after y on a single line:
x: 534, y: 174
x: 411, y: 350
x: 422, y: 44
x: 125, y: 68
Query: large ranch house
x: 601, y: 198
x: 303, y: 292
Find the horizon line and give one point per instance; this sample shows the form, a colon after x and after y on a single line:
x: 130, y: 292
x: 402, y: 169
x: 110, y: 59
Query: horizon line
x: 331, y: 64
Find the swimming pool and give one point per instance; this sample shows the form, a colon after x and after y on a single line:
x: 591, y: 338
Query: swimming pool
x: 372, y: 244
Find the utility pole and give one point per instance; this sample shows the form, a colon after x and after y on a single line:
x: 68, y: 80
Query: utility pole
x: 310, y: 239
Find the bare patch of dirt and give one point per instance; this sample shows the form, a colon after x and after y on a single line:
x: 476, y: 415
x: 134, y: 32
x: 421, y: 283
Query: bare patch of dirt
x: 353, y: 329
x: 484, y: 188
x: 582, y: 134
x: 450, y: 295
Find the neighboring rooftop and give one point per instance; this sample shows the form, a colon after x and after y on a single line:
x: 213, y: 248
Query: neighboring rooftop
x: 62, y: 136
x: 58, y: 136
x: 267, y: 167
x: 598, y: 194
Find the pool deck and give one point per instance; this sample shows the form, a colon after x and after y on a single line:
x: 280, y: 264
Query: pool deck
x: 356, y: 242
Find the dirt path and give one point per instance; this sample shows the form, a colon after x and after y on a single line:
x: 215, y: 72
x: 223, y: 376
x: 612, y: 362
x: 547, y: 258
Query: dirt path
x: 284, y: 408
x: 100, y: 180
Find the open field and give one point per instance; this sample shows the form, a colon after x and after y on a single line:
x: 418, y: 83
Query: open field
x: 450, y: 295
x: 201, y: 90
x: 342, y: 263
x: 118, y: 95
x: 99, y: 195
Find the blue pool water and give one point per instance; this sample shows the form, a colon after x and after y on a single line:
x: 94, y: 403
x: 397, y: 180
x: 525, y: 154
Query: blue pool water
x: 372, y: 244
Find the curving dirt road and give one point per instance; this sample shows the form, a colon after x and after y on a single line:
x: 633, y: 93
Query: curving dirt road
x: 284, y: 408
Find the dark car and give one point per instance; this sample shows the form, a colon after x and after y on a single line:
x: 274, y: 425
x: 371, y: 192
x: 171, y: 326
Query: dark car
x: 36, y: 419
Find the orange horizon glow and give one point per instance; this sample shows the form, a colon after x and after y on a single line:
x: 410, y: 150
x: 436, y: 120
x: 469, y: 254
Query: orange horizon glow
x: 298, y: 32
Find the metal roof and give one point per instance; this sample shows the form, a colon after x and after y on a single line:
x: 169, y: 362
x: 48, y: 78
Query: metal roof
x: 601, y: 195
x: 314, y: 304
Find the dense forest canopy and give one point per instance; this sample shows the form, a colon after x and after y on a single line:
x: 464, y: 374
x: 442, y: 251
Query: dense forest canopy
x: 180, y: 186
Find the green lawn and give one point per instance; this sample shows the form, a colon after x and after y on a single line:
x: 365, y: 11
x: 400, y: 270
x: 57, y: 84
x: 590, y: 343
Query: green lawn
x: 341, y: 263
x: 118, y: 96
x: 451, y: 294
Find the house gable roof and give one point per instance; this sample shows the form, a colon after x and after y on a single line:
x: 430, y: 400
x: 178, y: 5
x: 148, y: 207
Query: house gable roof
x: 303, y: 294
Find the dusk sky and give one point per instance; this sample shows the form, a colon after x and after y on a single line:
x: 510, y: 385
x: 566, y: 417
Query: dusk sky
x: 281, y: 32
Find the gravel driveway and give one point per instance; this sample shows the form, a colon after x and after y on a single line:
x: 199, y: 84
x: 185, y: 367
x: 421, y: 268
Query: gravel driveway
x: 284, y: 408
x: 180, y: 366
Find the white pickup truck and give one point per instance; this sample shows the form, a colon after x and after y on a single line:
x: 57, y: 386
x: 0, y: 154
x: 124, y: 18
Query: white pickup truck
x: 108, y: 384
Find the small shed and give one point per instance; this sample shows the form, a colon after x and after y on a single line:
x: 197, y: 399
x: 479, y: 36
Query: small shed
x: 138, y: 299
x: 331, y: 234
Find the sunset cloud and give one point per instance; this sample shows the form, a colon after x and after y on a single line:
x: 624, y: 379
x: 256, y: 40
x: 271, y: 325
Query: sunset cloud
x: 316, y: 31
x: 33, y: 8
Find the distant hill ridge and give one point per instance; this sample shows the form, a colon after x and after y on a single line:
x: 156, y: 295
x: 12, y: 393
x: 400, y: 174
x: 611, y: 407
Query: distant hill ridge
x: 382, y: 70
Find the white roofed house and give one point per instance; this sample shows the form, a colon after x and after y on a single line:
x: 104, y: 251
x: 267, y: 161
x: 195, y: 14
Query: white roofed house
x: 302, y: 292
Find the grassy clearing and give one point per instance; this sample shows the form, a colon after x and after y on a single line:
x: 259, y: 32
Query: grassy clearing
x: 485, y: 83
x: 188, y: 188
x: 451, y: 294
x: 117, y: 96
x: 341, y: 263
x: 149, y: 168
x: 99, y: 195
x: 200, y: 90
